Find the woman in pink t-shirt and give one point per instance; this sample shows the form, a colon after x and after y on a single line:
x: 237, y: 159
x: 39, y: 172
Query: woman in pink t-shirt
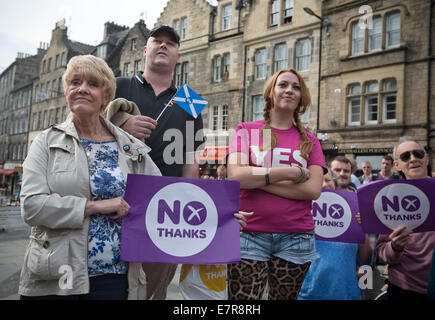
x: 280, y: 167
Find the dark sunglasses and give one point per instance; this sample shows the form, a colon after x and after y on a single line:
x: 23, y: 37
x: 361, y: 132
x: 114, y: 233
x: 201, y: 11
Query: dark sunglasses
x: 418, y: 153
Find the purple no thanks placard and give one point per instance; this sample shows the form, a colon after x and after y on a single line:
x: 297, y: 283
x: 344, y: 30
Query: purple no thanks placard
x: 181, y: 220
x: 334, y: 217
x: 385, y: 205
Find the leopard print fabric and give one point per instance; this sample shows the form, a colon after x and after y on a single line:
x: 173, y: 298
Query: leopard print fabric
x: 248, y: 279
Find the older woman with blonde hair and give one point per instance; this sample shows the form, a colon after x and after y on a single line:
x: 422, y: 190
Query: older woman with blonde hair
x: 280, y: 167
x: 74, y: 180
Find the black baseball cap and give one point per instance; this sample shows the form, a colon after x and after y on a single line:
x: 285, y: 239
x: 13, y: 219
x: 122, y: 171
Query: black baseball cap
x: 168, y: 29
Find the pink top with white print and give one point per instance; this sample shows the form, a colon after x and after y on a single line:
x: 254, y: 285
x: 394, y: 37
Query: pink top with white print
x: 274, y: 214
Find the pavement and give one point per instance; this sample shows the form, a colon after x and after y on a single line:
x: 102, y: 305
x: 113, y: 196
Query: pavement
x: 14, y: 234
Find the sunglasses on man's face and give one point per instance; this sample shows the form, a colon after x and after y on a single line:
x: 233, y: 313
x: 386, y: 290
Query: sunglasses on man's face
x: 418, y: 153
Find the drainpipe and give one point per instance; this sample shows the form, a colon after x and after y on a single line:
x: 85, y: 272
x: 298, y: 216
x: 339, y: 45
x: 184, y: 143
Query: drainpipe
x: 429, y: 85
x: 244, y: 83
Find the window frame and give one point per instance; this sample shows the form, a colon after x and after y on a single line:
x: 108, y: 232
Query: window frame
x: 224, y: 117
x: 285, y: 8
x: 133, y: 44
x: 274, y: 15
x: 355, y: 39
x: 260, y: 53
x: 217, y: 68
x: 277, y: 62
x: 303, y: 56
x: 370, y: 35
x: 184, y: 72
x: 126, y: 70
x: 368, y: 95
x: 385, y: 93
x: 226, y: 18
x: 388, y: 32
x: 183, y: 28
x: 257, y: 101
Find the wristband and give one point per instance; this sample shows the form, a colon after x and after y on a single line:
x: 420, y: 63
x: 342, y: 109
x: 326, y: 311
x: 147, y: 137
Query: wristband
x: 267, y: 177
x: 302, y: 177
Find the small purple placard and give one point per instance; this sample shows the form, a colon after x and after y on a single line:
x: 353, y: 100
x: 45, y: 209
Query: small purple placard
x: 334, y: 217
x: 385, y: 205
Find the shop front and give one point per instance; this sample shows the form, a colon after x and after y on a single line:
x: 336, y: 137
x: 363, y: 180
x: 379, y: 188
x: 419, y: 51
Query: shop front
x: 211, y: 158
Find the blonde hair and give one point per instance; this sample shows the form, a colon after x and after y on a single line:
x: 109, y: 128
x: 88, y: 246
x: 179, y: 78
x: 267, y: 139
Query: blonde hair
x: 91, y: 67
x: 305, y: 144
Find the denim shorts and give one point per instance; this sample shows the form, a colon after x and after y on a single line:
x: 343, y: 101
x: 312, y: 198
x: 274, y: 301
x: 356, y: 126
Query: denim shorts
x: 298, y: 248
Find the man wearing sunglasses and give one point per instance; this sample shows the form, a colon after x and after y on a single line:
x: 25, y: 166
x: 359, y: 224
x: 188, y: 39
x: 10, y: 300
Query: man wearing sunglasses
x: 408, y: 254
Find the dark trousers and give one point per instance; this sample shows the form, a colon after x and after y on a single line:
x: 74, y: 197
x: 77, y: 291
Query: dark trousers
x: 105, y: 287
x: 396, y: 293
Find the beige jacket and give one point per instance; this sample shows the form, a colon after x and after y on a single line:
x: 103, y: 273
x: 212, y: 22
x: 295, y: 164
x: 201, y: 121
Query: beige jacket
x: 54, y: 192
x: 120, y: 110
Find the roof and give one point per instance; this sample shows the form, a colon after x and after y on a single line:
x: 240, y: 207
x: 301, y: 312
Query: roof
x: 79, y: 47
x: 115, y: 38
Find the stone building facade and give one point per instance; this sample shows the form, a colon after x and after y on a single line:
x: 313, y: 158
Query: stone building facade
x: 49, y: 102
x: 377, y: 76
x: 15, y: 100
x: 230, y: 48
x: 131, y: 53
x: 15, y: 103
x: 122, y: 47
x: 372, y: 82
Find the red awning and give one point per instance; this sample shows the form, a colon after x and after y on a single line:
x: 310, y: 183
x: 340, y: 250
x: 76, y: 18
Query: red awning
x: 216, y: 153
x: 7, y: 172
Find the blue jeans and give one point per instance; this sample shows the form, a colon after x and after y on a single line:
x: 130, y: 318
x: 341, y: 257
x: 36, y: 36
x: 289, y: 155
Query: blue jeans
x: 298, y: 248
x: 104, y: 287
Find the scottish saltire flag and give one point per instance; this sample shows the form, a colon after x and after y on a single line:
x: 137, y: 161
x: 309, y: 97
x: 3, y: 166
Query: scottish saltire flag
x: 189, y: 100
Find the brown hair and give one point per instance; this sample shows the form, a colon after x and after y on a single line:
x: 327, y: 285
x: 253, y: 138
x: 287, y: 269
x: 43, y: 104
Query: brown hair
x: 305, y: 144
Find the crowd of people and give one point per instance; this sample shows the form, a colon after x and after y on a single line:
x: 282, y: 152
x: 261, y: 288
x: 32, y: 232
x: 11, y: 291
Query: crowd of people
x: 79, y: 224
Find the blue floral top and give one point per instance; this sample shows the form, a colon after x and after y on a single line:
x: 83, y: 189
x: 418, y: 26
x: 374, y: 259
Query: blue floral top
x: 107, y: 182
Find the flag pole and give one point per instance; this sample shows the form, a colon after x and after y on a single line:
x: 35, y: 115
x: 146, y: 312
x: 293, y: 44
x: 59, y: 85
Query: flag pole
x: 167, y: 105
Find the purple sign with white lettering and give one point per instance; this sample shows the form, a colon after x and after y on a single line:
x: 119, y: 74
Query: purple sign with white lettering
x: 334, y: 217
x: 180, y: 220
x: 386, y: 205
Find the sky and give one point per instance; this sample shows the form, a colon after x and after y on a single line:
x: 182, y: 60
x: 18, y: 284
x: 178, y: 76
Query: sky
x: 26, y: 23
